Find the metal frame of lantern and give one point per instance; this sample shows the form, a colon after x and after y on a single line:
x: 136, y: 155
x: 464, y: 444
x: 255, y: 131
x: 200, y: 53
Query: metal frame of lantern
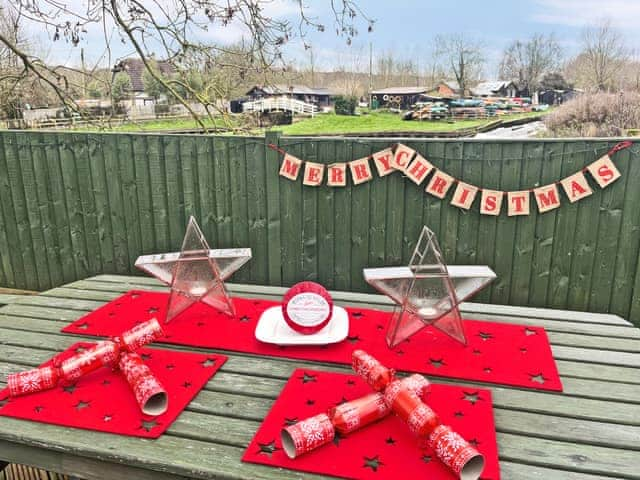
x: 427, y: 291
x: 196, y: 273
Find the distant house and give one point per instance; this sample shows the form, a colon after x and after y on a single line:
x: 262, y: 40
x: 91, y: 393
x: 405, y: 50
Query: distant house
x: 397, y: 97
x: 496, y: 88
x: 445, y: 89
x: 134, y: 67
x: 321, y: 97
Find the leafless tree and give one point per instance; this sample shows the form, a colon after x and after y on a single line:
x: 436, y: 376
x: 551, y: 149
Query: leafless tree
x: 173, y: 31
x: 462, y: 57
x: 525, y: 62
x: 603, y: 53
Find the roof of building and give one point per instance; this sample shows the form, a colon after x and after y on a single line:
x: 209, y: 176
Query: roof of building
x: 135, y: 68
x: 488, y: 88
x: 400, y: 90
x: 282, y: 89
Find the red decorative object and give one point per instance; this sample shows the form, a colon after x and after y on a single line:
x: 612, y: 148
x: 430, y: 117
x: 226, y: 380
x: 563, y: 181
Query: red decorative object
x: 104, y: 401
x: 307, y: 435
x: 371, y: 370
x: 499, y: 353
x: 150, y: 394
x: 385, y: 449
x: 307, y: 307
x: 351, y: 416
x: 410, y: 408
x: 101, y: 354
x: 456, y: 453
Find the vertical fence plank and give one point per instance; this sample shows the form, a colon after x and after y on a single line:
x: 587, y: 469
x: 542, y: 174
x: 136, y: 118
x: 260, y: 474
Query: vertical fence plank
x: 205, y: 188
x: 359, y: 244
x: 43, y: 195
x: 142, y: 174
x: 222, y: 191
x: 525, y: 226
x: 257, y: 209
x: 131, y: 210
x: 61, y: 216
x: 380, y: 210
x: 11, y: 262
x: 28, y: 195
x: 395, y: 213
x: 449, y: 214
x: 607, y: 246
x: 469, y: 221
x: 487, y: 224
x: 239, y: 212
x: 309, y: 212
x: 431, y: 205
x: 158, y: 193
x: 116, y: 204
x: 80, y: 146
x: 101, y: 198
x: 342, y: 223
x: 545, y: 235
x: 583, y: 242
x: 175, y: 198
x: 624, y: 300
x: 188, y: 172
x: 506, y: 226
x: 274, y: 240
x: 413, y: 207
x: 326, y: 208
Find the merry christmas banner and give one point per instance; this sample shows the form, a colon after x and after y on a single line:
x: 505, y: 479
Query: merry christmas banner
x: 438, y: 183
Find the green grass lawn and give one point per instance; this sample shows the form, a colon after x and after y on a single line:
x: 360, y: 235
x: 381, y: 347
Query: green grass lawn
x: 330, y: 123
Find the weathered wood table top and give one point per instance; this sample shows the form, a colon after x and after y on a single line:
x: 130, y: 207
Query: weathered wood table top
x: 591, y: 431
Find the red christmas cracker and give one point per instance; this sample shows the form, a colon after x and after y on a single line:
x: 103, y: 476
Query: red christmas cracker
x: 347, y: 417
x: 104, y: 353
x: 456, y: 453
x: 150, y: 394
x: 453, y: 450
x: 371, y: 370
x: 307, y: 435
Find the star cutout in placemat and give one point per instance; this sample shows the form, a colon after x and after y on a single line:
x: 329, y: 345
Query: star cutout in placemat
x: 427, y: 292
x: 373, y: 463
x: 268, y: 448
x: 196, y: 273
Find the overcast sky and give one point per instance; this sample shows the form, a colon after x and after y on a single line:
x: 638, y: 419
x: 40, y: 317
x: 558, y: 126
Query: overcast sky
x: 407, y: 28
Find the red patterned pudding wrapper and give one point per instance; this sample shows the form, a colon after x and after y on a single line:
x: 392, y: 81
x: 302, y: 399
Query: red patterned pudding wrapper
x: 307, y: 307
x: 350, y: 416
x: 140, y: 335
x: 150, y: 394
x: 456, y: 453
x: 371, y: 370
x: 307, y: 435
x: 408, y: 406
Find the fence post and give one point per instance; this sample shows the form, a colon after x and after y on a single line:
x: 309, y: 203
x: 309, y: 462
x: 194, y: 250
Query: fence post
x: 274, y: 252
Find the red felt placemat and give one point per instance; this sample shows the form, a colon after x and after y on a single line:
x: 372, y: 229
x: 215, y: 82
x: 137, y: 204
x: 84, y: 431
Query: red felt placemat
x: 496, y: 352
x: 386, y: 449
x: 104, y: 401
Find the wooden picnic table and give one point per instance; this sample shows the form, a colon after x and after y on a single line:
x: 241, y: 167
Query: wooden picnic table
x: 590, y: 431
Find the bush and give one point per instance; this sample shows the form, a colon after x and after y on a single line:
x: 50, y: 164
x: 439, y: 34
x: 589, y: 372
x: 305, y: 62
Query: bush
x: 596, y: 115
x: 345, y: 105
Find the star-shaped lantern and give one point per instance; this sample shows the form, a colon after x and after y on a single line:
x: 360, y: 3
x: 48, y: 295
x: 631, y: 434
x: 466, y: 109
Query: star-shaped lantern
x: 427, y: 291
x: 196, y: 273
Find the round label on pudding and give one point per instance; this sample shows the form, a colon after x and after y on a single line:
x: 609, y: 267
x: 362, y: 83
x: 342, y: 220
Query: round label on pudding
x: 308, y: 309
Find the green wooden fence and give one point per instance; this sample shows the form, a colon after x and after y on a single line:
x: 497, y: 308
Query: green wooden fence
x: 77, y: 204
